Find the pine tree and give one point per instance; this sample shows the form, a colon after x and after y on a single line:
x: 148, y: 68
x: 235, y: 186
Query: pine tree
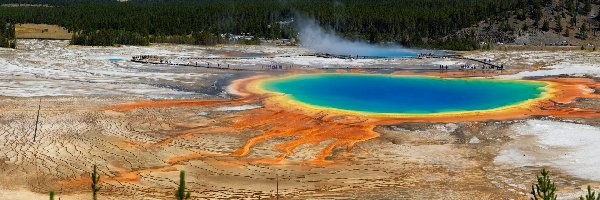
x: 525, y: 27
x: 7, y: 34
x: 537, y: 16
x: 570, y: 6
x: 95, y: 184
x: 591, y: 195
x: 587, y: 8
x: 573, y: 12
x: 12, y: 38
x: 181, y: 194
x: 583, y: 31
x: 546, y: 26
x: 545, y: 187
x: 559, y: 25
x: 51, y: 195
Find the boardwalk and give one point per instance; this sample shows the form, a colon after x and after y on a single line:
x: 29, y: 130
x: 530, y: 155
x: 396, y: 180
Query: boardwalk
x: 483, y: 62
x: 459, y: 57
x: 210, y: 65
x: 207, y: 62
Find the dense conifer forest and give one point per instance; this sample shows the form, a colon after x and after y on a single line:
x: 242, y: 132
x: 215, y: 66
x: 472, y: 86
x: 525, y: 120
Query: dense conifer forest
x: 413, y: 23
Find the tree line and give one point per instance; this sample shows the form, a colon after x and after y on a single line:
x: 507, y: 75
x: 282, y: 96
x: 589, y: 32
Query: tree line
x: 413, y: 23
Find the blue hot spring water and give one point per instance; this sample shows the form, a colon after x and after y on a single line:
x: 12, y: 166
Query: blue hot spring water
x: 404, y: 94
x: 385, y: 52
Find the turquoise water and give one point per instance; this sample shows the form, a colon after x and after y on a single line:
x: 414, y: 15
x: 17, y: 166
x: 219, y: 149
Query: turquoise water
x: 404, y: 94
x: 377, y: 51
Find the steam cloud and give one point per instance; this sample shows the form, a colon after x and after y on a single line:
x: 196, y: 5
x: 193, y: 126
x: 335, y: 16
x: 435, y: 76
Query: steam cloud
x: 314, y: 37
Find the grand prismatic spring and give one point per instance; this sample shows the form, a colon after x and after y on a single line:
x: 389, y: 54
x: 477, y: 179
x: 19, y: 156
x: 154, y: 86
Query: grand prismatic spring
x: 386, y: 94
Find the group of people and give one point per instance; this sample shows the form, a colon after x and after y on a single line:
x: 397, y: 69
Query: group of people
x: 144, y: 58
x: 474, y: 67
x: 483, y: 67
x: 425, y: 55
x: 274, y: 66
x: 219, y: 65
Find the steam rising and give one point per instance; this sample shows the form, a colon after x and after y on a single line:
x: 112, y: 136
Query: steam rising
x: 314, y: 37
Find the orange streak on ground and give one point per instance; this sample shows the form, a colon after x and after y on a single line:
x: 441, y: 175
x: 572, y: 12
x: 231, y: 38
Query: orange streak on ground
x: 305, y: 129
x: 164, y: 103
x: 573, y: 88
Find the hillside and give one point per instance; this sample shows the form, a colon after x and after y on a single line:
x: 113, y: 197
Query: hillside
x: 549, y: 23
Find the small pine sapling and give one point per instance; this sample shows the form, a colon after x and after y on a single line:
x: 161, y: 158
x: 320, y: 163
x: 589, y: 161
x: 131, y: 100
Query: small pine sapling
x: 591, y: 195
x: 545, y: 188
x: 95, y: 184
x: 181, y: 194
